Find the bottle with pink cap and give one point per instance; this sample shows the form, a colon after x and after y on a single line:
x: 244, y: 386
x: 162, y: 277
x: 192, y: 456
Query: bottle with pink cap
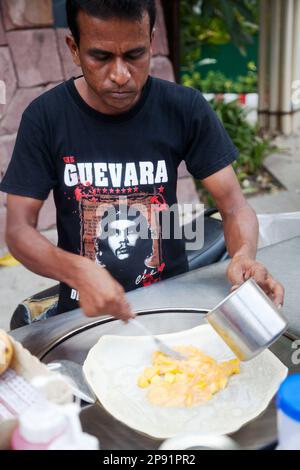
x: 38, y: 427
x: 45, y: 426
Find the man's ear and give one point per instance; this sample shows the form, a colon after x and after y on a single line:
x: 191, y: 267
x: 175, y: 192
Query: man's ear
x: 74, y: 49
x: 151, y: 41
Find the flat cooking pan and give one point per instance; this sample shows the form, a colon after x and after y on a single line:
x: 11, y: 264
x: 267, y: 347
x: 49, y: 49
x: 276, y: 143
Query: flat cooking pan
x: 113, y: 435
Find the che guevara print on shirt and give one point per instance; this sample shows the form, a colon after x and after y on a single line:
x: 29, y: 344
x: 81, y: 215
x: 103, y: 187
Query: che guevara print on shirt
x: 120, y: 223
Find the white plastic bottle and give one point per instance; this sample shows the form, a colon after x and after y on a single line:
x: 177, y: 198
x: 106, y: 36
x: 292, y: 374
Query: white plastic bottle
x: 74, y: 438
x: 38, y: 427
x: 288, y: 414
x: 45, y: 426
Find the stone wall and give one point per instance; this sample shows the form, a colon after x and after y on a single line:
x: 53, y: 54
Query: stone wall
x: 35, y: 58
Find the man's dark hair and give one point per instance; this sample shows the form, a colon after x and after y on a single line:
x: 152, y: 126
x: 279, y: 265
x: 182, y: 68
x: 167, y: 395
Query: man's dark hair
x: 106, y: 9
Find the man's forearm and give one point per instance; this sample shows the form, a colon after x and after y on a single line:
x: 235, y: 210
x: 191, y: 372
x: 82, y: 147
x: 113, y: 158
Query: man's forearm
x: 241, y: 231
x: 39, y: 255
x: 99, y: 292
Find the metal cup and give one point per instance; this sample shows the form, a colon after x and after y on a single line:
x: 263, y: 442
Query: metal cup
x: 247, y: 320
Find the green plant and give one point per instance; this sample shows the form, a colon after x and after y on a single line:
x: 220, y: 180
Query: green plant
x: 217, y: 82
x: 215, y: 22
x: 253, y: 148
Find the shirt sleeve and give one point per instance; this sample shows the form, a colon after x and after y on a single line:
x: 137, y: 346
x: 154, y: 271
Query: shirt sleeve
x: 209, y: 147
x: 31, y: 171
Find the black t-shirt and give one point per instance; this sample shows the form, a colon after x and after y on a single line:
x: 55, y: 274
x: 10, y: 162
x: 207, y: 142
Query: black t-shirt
x: 95, y: 162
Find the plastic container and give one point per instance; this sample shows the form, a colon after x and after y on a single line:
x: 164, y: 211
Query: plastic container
x: 38, y: 427
x: 288, y: 414
x: 74, y: 438
x: 52, y: 427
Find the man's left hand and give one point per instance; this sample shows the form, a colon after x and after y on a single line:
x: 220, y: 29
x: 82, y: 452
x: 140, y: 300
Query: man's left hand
x: 241, y: 268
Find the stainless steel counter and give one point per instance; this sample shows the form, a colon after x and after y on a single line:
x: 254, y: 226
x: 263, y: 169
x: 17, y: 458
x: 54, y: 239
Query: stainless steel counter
x: 202, y: 288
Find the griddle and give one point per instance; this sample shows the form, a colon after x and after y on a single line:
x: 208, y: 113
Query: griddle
x: 74, y: 345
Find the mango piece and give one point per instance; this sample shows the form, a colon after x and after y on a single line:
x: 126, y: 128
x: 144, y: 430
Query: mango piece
x: 170, y: 378
x: 155, y: 379
x: 213, y: 387
x: 149, y: 372
x: 180, y: 377
x: 143, y: 382
x: 201, y: 384
x: 223, y: 382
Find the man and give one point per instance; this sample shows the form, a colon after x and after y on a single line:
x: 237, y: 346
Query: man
x: 116, y: 132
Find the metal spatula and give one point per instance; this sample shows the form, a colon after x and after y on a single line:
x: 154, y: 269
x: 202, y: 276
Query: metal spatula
x: 73, y: 371
x: 161, y: 345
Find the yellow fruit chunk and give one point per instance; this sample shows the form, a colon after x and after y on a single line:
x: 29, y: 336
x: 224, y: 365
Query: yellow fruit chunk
x: 143, y: 382
x: 201, y: 384
x: 213, y: 387
x: 149, y: 372
x: 172, y: 368
x: 170, y: 378
x: 179, y: 377
x: 155, y: 379
x: 223, y: 382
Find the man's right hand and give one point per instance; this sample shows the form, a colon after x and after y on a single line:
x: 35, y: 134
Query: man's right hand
x: 99, y: 292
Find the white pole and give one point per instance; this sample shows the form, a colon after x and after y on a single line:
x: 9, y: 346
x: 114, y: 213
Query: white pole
x: 275, y: 38
x: 263, y: 64
x: 286, y: 66
x: 296, y: 63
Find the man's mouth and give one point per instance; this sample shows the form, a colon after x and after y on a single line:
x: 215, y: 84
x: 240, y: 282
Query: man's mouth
x: 121, y: 94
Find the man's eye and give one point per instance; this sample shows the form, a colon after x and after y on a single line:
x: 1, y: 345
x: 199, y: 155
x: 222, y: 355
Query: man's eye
x: 135, y: 55
x: 101, y: 58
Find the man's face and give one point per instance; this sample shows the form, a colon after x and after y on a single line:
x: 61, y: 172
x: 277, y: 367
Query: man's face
x: 114, y: 55
x: 123, y: 239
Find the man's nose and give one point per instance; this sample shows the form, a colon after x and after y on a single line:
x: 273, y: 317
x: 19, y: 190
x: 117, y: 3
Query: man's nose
x: 120, y: 73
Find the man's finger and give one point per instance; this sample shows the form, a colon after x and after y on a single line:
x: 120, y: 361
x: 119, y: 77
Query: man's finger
x: 125, y: 312
x: 233, y: 288
x: 259, y: 274
x: 235, y: 273
x: 276, y: 291
x: 247, y: 274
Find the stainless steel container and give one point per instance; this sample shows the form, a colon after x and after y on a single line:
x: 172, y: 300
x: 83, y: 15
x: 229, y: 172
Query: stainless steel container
x: 247, y: 320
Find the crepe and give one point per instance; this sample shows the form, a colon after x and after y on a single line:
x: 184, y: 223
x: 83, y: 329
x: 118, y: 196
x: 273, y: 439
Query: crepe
x: 114, y: 363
